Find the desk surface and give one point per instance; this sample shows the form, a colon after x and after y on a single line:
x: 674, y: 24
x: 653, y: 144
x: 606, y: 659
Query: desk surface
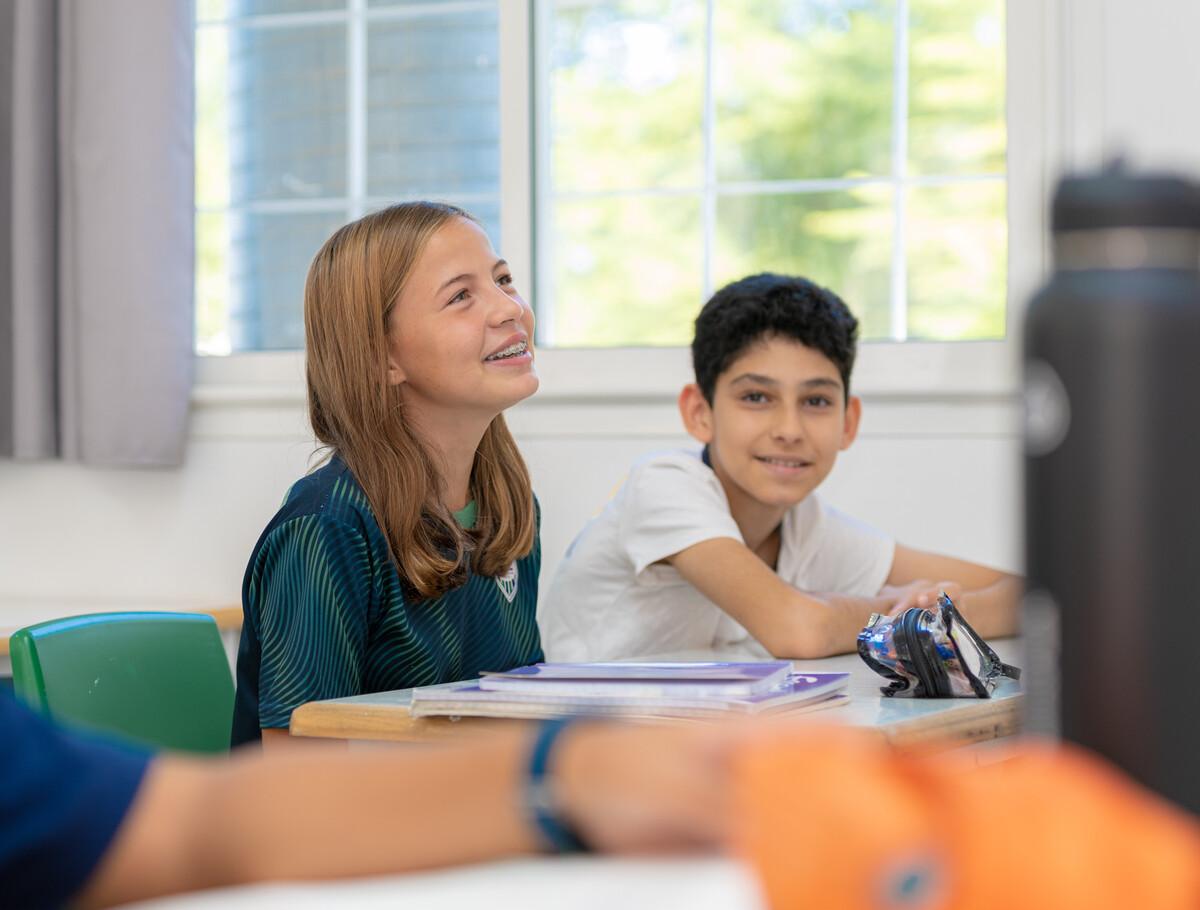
x: 228, y: 618
x: 543, y: 883
x: 906, y: 722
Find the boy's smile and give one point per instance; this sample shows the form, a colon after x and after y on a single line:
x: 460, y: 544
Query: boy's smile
x: 778, y: 418
x: 783, y: 466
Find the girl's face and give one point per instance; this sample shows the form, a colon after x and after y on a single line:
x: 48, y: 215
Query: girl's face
x: 460, y: 337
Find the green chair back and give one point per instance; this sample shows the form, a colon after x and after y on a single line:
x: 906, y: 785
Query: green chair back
x: 161, y: 679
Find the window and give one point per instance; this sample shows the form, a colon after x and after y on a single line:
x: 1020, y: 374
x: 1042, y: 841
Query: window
x: 678, y: 144
x: 311, y: 113
x: 686, y: 143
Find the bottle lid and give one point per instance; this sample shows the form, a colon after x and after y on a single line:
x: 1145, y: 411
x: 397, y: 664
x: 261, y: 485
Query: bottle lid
x: 1115, y: 198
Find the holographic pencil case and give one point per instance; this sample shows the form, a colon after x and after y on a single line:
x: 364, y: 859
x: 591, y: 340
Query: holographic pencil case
x: 932, y: 653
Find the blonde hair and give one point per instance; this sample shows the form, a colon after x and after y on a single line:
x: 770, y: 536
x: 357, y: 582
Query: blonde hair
x: 352, y: 286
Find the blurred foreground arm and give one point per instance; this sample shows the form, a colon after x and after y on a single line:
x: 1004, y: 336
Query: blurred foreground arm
x: 325, y: 812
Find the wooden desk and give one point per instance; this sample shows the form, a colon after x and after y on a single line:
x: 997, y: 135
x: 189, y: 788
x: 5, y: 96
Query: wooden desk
x: 906, y: 722
x: 229, y: 619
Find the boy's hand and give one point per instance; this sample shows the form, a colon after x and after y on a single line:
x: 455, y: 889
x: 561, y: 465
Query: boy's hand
x: 920, y: 593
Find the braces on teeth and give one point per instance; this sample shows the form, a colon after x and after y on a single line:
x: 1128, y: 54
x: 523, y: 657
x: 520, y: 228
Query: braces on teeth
x: 510, y: 351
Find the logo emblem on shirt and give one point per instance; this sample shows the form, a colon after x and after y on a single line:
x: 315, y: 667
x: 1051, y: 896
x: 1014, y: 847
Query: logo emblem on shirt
x: 508, y: 583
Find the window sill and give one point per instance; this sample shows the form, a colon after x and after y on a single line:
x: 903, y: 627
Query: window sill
x: 927, y: 371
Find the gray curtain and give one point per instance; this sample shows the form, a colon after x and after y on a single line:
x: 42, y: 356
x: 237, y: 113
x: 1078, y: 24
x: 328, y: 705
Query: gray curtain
x: 96, y: 229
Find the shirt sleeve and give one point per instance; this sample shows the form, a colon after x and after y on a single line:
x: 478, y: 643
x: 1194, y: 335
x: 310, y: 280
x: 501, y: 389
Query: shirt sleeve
x: 852, y: 557
x: 62, y: 798
x: 312, y: 594
x: 669, y: 505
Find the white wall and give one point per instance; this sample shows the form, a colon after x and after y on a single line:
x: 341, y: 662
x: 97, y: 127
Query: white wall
x: 1128, y: 81
x: 938, y: 467
x: 943, y: 488
x: 940, y: 474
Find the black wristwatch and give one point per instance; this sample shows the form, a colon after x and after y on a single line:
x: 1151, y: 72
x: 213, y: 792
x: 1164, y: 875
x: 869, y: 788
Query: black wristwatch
x: 557, y: 835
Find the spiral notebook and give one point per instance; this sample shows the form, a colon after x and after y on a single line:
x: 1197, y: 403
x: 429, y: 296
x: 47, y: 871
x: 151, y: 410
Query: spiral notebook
x: 671, y: 679
x: 798, y: 692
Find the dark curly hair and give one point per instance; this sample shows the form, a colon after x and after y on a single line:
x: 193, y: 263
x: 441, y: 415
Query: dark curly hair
x: 768, y: 305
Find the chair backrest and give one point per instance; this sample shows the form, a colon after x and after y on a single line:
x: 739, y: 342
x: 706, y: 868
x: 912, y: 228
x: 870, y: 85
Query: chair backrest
x: 158, y: 678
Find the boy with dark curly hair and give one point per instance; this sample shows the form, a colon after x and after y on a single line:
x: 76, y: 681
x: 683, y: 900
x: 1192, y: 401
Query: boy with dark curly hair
x: 727, y: 549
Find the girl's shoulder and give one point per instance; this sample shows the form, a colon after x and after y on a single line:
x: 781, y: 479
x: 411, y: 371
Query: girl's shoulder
x: 329, y: 496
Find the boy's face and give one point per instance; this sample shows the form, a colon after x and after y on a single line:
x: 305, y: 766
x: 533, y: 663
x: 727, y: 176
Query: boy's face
x: 778, y: 418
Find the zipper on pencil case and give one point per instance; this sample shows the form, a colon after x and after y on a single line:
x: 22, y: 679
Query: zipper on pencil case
x: 910, y: 633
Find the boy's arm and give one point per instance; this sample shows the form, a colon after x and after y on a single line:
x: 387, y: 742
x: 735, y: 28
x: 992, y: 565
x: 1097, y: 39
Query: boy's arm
x: 989, y: 599
x: 789, y: 623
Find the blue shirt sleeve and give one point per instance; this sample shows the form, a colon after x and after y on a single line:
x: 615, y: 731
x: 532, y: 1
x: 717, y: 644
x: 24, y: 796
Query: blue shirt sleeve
x: 62, y: 798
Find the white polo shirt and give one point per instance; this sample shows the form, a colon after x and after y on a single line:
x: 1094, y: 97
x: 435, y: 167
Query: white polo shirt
x: 612, y: 598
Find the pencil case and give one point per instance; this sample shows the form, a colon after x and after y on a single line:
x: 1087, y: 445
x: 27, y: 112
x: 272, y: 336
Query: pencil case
x: 932, y: 653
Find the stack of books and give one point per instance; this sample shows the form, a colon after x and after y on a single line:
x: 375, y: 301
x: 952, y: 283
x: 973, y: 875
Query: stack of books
x: 656, y: 690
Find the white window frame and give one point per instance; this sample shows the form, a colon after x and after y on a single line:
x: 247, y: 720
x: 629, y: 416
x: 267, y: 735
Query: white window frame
x: 357, y: 18
x: 907, y: 369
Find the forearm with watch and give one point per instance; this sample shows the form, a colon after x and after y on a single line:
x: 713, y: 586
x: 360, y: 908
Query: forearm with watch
x: 320, y: 812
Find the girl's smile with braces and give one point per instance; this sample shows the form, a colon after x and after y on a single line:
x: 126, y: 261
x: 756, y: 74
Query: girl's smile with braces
x: 512, y: 350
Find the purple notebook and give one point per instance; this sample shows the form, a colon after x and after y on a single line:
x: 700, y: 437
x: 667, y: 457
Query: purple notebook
x: 645, y: 679
x: 799, y: 691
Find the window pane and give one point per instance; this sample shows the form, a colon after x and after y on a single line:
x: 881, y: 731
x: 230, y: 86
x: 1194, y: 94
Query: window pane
x: 212, y: 283
x: 627, y: 93
x: 957, y: 261
x: 842, y: 241
x: 212, y: 116
x: 433, y: 119
x: 461, y: 5
x: 273, y: 139
x: 267, y: 7
x: 207, y: 10
x: 627, y: 271
x: 287, y: 126
x: 269, y: 255
x: 803, y: 90
x: 956, y: 87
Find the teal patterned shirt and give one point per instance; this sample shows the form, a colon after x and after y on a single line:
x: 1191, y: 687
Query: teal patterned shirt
x: 326, y: 615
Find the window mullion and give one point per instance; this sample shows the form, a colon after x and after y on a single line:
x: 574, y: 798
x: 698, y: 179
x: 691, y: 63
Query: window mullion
x: 356, y: 107
x: 516, y: 139
x: 543, y: 179
x: 709, y: 198
x: 898, y: 307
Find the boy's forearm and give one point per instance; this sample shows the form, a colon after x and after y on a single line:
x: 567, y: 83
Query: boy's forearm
x: 828, y: 624
x: 994, y: 611
x: 853, y: 614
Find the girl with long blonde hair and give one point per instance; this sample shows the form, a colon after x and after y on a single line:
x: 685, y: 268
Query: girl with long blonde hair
x: 411, y: 557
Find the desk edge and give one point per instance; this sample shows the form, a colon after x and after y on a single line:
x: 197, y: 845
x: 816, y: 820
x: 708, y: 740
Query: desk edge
x: 972, y: 723
x: 228, y: 617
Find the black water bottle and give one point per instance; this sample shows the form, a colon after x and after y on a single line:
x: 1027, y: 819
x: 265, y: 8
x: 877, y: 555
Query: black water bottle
x: 1112, y: 479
